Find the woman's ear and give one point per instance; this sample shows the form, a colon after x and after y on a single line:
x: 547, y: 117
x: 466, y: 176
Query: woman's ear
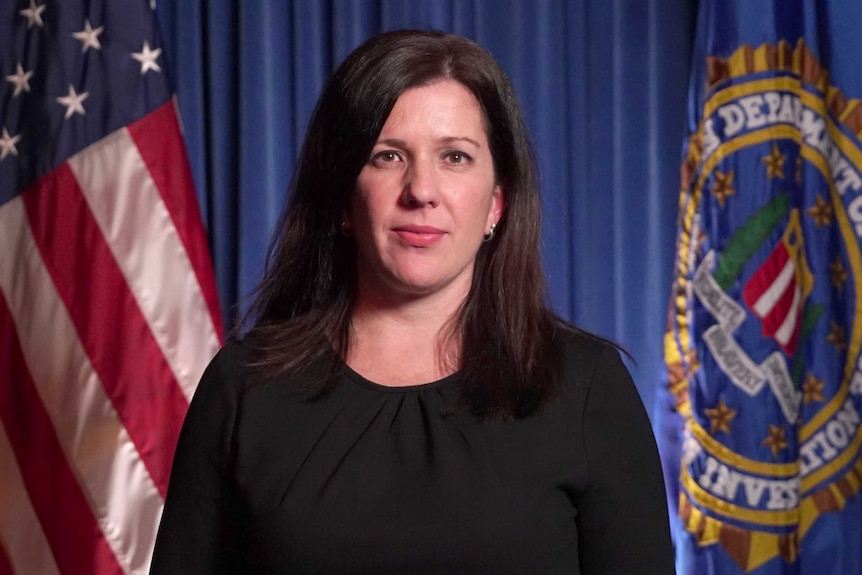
x: 498, y: 205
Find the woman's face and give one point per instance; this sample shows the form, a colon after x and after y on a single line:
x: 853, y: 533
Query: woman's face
x: 426, y: 196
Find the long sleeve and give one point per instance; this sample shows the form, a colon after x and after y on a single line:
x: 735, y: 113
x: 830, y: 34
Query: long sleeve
x: 622, y: 514
x: 197, y: 533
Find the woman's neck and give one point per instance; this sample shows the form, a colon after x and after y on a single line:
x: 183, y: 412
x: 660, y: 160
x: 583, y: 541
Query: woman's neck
x: 401, y: 341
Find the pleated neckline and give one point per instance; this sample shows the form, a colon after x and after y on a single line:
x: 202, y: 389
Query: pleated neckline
x: 358, y: 378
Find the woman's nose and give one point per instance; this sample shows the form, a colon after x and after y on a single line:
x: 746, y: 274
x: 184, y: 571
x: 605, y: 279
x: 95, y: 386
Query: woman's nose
x: 421, y: 187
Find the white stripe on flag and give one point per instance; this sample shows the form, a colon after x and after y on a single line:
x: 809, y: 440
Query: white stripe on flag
x: 788, y: 326
x: 131, y: 213
x: 767, y: 300
x: 20, y: 531
x: 124, y: 499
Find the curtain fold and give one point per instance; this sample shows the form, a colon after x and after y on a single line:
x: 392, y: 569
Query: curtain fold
x: 603, y: 86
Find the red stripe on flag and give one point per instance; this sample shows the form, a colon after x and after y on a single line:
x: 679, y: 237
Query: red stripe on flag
x: 774, y: 308
x: 110, y: 325
x: 779, y: 312
x: 157, y: 136
x: 76, y: 540
x: 762, y: 279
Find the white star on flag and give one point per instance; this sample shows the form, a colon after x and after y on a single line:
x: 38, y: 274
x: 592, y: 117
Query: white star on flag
x: 89, y: 37
x: 33, y: 14
x: 73, y: 102
x: 147, y: 58
x: 7, y: 144
x: 21, y: 79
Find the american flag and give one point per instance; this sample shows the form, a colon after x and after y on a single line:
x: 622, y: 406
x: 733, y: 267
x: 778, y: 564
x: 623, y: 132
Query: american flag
x: 108, y: 310
x: 775, y: 297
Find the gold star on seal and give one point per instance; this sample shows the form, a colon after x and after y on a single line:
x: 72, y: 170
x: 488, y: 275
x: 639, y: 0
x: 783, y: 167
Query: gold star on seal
x: 837, y: 337
x: 812, y: 389
x: 723, y: 187
x: 691, y: 360
x: 720, y: 417
x: 821, y: 212
x: 776, y: 440
x: 837, y: 273
x: 774, y: 163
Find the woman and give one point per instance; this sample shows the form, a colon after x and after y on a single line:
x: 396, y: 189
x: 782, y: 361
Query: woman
x: 404, y: 401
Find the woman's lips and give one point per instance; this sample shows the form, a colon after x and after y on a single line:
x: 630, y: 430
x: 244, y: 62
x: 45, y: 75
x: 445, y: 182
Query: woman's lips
x: 419, y: 236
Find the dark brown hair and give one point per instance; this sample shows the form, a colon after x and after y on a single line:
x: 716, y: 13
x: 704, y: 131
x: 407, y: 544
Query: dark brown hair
x: 303, y: 304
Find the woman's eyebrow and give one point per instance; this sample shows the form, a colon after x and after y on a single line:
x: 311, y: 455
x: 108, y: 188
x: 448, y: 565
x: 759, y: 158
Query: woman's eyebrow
x: 398, y: 143
x: 452, y: 139
x: 394, y: 142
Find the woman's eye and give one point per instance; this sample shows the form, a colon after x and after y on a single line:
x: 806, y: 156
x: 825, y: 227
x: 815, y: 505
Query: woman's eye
x: 385, y: 156
x: 457, y: 158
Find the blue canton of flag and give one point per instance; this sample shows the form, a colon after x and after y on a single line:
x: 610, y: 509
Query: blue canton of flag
x: 761, y: 427
x: 74, y: 72
x: 108, y: 310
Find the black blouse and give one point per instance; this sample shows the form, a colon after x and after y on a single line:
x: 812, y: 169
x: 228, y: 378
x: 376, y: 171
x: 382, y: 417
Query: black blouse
x: 377, y: 479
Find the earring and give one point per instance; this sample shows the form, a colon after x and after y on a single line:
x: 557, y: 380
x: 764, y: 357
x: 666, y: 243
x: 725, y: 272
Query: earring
x: 345, y: 231
x: 490, y: 235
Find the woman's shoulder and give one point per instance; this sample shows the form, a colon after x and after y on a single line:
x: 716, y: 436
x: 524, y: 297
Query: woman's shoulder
x: 583, y: 351
x: 232, y: 355
x: 237, y: 374
x: 222, y: 379
x: 589, y: 364
x: 230, y: 376
x: 228, y: 363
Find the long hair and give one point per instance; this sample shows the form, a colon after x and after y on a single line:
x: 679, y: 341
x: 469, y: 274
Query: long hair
x: 302, y: 309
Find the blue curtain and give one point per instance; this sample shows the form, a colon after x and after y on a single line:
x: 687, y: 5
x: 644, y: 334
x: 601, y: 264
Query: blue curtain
x: 603, y: 86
